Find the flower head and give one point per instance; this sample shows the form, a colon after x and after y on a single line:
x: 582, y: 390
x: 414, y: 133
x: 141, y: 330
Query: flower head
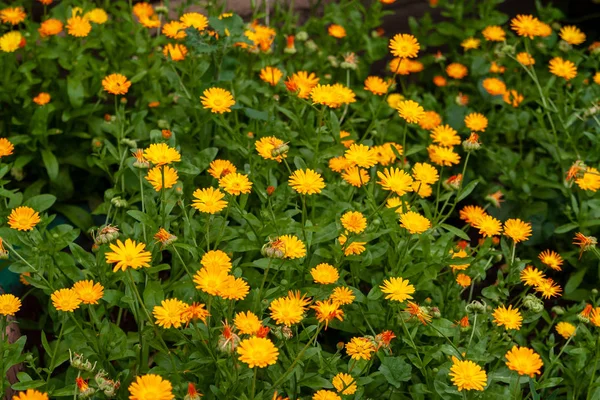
x: 470, y: 43
x: 162, y: 176
x: 589, y: 180
x: 302, y: 83
x: 236, y: 184
x: 211, y: 280
x: 174, y: 30
x: 404, y: 45
x: 78, y: 26
x: 332, y: 96
x: 476, y: 122
x: 292, y: 246
x: 523, y: 360
x: 488, y: 226
x: 168, y: 314
x: 594, y: 315
x: 257, y: 352
x: 416, y: 311
x: 563, y: 68
x: 509, y: 317
x: 585, y: 243
x: 344, y: 383
x: 271, y: 75
x: 13, y: 15
x: 525, y: 25
x: 216, y: 259
x: 360, y: 348
x: 23, y: 218
x: 287, y: 311
x: 445, y: 135
x: 456, y: 70
x: 410, y: 111
x: 88, y: 291
x: 512, y: 97
x: 361, y: 155
x: 195, y: 20
x: 442, y: 155
x: 395, y: 180
x: 342, y: 295
x: 430, y: 120
x: 306, y: 182
x: 217, y: 100
x: 220, y: 168
x: 471, y: 214
x: 354, y: 221
x: 531, y: 276
x: 42, y: 99
x: 65, y: 300
x: 352, y: 248
x: 517, y: 230
x: 193, y: 312
x: 494, y: 86
x: 466, y: 375
x: 151, y: 386
x: 356, y: 176
x: 327, y: 311
x: 387, y: 153
x: 376, y: 85
x: 31, y: 394
x: 247, y: 323
x: 551, y: 259
x: 9, y: 304
x: 129, y: 254
x: 6, y: 147
x: 414, y: 222
x: 175, y: 51
x: 116, y: 84
x: 326, y: 395
x: 572, y: 35
x: 548, y: 288
x: 336, y: 31
x: 209, y: 200
x: 494, y: 33
x: 11, y: 41
x: 397, y: 289
x: 463, y: 280
x: 565, y: 329
x: 525, y: 59
x: 324, y: 274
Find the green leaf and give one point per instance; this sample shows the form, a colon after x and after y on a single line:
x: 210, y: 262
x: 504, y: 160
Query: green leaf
x: 28, y: 385
x: 395, y: 370
x: 153, y: 294
x: 203, y: 159
x: 256, y: 114
x: 566, y: 228
x: 77, y: 215
x: 575, y: 280
x: 41, y: 202
x: 142, y: 217
x: 51, y: 163
x: 461, y: 234
x: 464, y: 192
x: 82, y: 257
x: 75, y: 91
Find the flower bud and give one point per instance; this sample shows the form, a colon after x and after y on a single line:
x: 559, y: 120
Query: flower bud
x: 129, y: 142
x: 106, y: 234
x: 453, y: 183
x: 163, y: 124
x: 118, y: 202
x: 166, y: 134
x: 302, y: 36
x: 17, y: 173
x: 558, y: 310
x: 97, y: 143
x: 472, y: 143
x: 533, y: 304
x: 476, y: 307
x: 270, y: 190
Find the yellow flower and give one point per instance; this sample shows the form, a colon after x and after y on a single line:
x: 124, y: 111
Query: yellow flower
x: 261, y: 36
x: 168, y: 314
x: 414, y: 222
x: 463, y: 280
x: 512, y: 97
x: 404, y: 45
x: 88, y: 291
x: 326, y: 395
x: 271, y: 75
x: 97, y: 16
x: 525, y: 25
x: 376, y: 85
x: 9, y: 304
x: 509, y: 317
x: 442, y: 155
x: 194, y: 19
x: 234, y: 288
x: 456, y: 70
x: 445, y: 135
x: 236, y: 184
x: 517, y: 230
x: 42, y: 99
x: 129, y: 254
x: 10, y: 41
x: 339, y: 164
x: 271, y: 148
x: 494, y: 33
x: 342, y: 295
x: 247, y: 323
x: 220, y: 168
x: 116, y: 84
x: 425, y: 173
x: 353, y: 248
x: 531, y: 276
x: 324, y: 274
x: 494, y: 86
x: 395, y: 180
x: 397, y: 289
x: 161, y: 154
x: 563, y: 68
x: 209, y: 200
x: 595, y: 316
x: 211, y: 280
x: 548, y: 288
x: 386, y: 154
x: 286, y: 311
x: 361, y: 155
x: 488, y: 226
x: 6, y: 147
x: 466, y: 375
x: 194, y: 312
x: 327, y: 310
x: 523, y: 360
x: 496, y: 68
x: 430, y: 120
x: 471, y: 214
x: 216, y: 259
x: 217, y: 100
x: 156, y: 178
x: 175, y: 52
x: 306, y: 182
x: 65, y: 300
x: 332, y: 95
x: 565, y: 329
x: 356, y: 176
x: 78, y: 26
x: 151, y: 386
x: 394, y: 100
x: 23, y: 218
x: 410, y: 111
x: 31, y: 394
x: 476, y: 122
x: 143, y: 9
x: 525, y: 59
x: 292, y: 247
x: 360, y: 348
x: 590, y: 180
x: 344, y: 383
x: 336, y: 31
x: 551, y: 259
x: 572, y: 35
x: 597, y: 78
x: 302, y: 83
x: 174, y: 30
x: 354, y: 221
x: 470, y: 43
x: 13, y: 15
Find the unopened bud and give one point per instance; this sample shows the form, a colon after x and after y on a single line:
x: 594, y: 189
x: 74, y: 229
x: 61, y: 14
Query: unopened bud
x: 476, y: 307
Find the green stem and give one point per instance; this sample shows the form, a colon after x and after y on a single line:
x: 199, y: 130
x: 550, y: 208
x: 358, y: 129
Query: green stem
x: 472, y: 333
x: 143, y: 204
x: 591, y: 385
x: 51, y: 366
x: 253, y: 384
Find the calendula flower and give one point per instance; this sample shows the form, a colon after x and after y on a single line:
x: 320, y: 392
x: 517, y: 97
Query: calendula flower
x: 344, y: 383
x: 162, y: 176
x: 209, y: 200
x: 512, y: 97
x: 414, y: 222
x: 220, y: 168
x: 585, y: 243
x: 78, y: 26
x: 97, y: 16
x: 494, y: 33
x: 336, y: 31
x: 326, y: 395
x: 376, y: 85
x: 470, y: 43
x: 116, y: 84
x: 548, y: 288
x: 471, y: 214
x: 306, y: 182
x: 286, y: 311
x: 236, y: 184
x: 397, y: 289
x: 164, y: 237
x: 352, y: 248
x: 531, y: 276
x: 247, y: 323
x: 523, y: 360
x: 195, y: 20
x: 175, y: 51
x: 476, y: 122
x: 525, y: 25
x: 488, y: 226
x: 517, y: 230
x: 404, y: 45
x: 430, y: 120
x: 65, y: 300
x: 342, y: 295
x: 9, y: 304
x: 360, y: 348
x: 509, y: 317
x: 590, y: 180
x: 6, y: 147
x: 174, y: 30
x: 425, y: 173
x: 161, y: 154
x: 150, y: 386
x: 194, y: 312
x: 565, y: 329
x: 496, y: 68
x: 23, y: 218
x: 168, y: 314
x: 292, y: 246
x: 271, y: 148
x: 302, y: 83
x: 597, y: 78
x: 234, y: 288
x: 42, y: 99
x: 387, y: 153
x: 356, y: 176
x: 354, y: 221
x: 217, y: 100
x: 563, y: 68
x: 339, y: 164
x: 50, y: 27
x: 394, y: 100
x: 594, y: 315
x: 442, y: 155
x: 10, y: 41
x: 466, y: 375
x: 327, y: 310
x: 445, y: 135
x: 13, y: 15
x: 463, y: 280
x: 88, y: 291
x: 31, y: 394
x: 395, y: 180
x: 525, y: 59
x: 456, y: 71
x: 271, y: 75
x: 261, y: 36
x: 216, y: 259
x: 128, y: 255
x: 439, y: 81
x: 361, y: 155
x: 572, y: 35
x: 494, y: 86
x: 551, y: 259
x: 211, y: 280
x: 143, y: 9
x: 332, y: 96
x: 410, y: 111
x: 418, y: 312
